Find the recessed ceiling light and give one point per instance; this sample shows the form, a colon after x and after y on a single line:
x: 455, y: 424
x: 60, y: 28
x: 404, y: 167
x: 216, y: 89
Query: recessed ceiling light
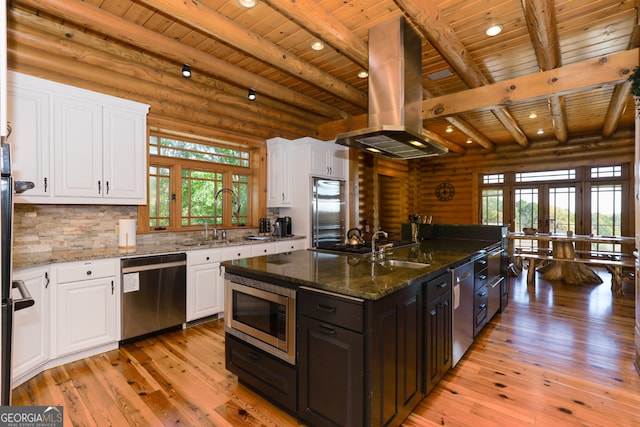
x: 449, y: 129
x: 373, y: 150
x: 540, y: 131
x: 494, y: 30
x: 533, y: 115
x: 363, y: 74
x: 469, y: 141
x: 248, y: 3
x: 317, y: 45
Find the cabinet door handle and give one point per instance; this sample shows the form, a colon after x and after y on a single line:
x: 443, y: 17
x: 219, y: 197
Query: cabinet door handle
x: 283, y: 196
x: 46, y: 279
x: 112, y: 287
x: 325, y: 308
x: 481, y: 306
x: 107, y: 184
x: 442, y: 285
x: 484, y: 294
x: 45, y: 184
x: 99, y: 187
x: 482, y: 277
x: 482, y: 262
x: 328, y: 330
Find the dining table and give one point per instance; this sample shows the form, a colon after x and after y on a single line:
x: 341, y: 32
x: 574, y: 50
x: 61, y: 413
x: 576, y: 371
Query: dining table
x: 556, y: 258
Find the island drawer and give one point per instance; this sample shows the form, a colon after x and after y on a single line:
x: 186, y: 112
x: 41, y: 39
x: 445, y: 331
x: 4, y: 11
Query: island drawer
x: 346, y: 312
x: 438, y: 286
x: 263, y: 372
x: 481, y: 264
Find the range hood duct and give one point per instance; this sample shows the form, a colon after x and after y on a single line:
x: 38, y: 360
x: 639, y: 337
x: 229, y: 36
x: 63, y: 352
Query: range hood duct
x: 395, y: 96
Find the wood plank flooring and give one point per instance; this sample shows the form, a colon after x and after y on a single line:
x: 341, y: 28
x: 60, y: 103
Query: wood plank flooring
x: 560, y: 355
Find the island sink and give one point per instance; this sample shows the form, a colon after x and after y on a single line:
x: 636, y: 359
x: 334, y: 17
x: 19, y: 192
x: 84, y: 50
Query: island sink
x: 402, y: 264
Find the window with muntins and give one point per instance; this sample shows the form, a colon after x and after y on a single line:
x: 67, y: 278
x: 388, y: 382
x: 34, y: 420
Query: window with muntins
x: 184, y: 178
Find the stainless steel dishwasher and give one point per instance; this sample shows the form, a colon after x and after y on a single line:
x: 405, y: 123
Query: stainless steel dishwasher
x: 463, y: 318
x: 154, y: 294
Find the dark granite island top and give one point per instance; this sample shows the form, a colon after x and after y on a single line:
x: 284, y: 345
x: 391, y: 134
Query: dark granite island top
x: 356, y: 275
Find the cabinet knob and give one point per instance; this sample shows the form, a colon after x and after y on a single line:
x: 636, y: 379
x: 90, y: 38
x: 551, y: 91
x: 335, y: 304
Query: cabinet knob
x: 88, y: 272
x: 207, y: 258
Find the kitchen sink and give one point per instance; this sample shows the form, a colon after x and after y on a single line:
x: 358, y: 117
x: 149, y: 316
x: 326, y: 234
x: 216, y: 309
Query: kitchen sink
x: 402, y: 264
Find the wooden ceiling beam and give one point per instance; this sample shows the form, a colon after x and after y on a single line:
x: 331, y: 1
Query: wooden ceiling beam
x: 543, y: 32
x: 216, y: 25
x: 168, y: 102
x: 86, y: 15
x: 568, y: 79
x: 441, y: 35
x: 620, y: 97
x: 31, y: 30
x: 472, y: 132
x: 309, y: 15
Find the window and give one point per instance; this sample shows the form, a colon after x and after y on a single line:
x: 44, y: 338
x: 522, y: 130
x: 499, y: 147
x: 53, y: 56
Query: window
x: 492, y: 205
x: 583, y: 200
x: 184, y: 178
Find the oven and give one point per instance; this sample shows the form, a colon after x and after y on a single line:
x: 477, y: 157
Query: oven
x: 262, y: 314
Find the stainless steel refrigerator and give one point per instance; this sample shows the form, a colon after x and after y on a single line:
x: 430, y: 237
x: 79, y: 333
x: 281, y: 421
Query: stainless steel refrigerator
x: 328, y: 216
x: 9, y: 305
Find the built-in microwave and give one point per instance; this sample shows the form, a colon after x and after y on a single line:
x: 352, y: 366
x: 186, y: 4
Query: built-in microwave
x: 262, y: 314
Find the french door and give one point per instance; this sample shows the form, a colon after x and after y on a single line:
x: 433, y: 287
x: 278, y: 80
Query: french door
x: 549, y: 208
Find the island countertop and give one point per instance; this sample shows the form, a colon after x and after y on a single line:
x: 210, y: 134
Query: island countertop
x: 356, y: 275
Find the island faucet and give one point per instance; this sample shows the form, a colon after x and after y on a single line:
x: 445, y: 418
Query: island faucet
x: 373, y: 242
x: 236, y: 213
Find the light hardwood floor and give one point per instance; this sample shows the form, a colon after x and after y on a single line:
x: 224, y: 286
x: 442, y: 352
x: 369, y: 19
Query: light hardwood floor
x: 559, y: 355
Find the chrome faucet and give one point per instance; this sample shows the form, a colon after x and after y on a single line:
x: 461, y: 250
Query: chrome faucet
x: 236, y: 213
x: 373, y: 242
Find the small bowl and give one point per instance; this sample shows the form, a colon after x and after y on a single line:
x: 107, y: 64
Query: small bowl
x: 528, y: 230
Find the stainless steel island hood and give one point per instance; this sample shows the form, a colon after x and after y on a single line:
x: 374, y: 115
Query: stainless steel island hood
x: 395, y: 96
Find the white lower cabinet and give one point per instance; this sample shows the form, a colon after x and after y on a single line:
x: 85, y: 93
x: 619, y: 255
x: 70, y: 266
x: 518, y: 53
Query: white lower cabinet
x: 205, y: 283
x: 263, y: 249
x: 291, y: 245
x: 87, y: 301
x: 30, y: 348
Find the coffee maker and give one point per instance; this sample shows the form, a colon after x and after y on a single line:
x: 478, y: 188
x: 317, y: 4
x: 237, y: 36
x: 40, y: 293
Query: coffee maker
x: 285, y: 226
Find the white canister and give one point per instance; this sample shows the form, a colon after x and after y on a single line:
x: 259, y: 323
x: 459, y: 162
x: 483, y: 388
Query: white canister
x: 127, y: 233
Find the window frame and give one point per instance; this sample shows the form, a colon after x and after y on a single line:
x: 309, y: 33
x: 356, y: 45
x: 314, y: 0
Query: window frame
x: 176, y: 165
x: 583, y: 182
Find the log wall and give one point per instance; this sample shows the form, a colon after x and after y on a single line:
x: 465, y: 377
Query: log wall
x: 422, y: 176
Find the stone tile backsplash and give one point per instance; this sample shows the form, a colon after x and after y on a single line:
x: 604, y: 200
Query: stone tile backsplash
x: 42, y: 228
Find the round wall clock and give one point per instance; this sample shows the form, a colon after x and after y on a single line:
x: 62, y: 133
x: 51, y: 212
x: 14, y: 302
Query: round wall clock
x: 445, y: 191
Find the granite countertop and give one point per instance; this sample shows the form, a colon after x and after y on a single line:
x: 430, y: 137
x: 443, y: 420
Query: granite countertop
x: 34, y: 259
x: 356, y: 275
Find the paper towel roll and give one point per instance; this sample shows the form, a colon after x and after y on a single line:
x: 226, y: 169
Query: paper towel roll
x: 126, y: 233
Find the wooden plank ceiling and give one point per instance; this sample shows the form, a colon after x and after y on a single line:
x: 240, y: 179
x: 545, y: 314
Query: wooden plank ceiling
x: 136, y: 49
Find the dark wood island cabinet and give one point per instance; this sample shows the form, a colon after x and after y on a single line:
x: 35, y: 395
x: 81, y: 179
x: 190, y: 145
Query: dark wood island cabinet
x: 438, y: 333
x: 360, y: 362
x: 371, y: 339
x: 330, y: 359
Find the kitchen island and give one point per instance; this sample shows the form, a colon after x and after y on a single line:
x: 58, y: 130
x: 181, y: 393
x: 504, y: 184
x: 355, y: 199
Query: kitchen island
x: 370, y: 337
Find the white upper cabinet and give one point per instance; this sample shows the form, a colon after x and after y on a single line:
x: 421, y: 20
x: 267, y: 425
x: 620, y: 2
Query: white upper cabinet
x: 29, y: 115
x: 279, y: 173
x: 84, y: 148
x: 77, y: 146
x: 327, y: 159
